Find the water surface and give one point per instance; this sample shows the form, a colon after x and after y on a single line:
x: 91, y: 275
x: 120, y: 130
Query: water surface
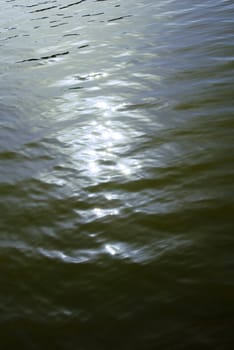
x: 116, y: 171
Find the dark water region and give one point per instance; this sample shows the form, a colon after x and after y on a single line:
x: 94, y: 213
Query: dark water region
x: 116, y: 174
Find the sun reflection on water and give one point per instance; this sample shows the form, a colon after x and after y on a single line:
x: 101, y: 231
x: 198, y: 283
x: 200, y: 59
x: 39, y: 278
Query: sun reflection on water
x: 99, y: 149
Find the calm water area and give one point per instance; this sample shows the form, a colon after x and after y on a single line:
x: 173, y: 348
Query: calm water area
x: 116, y: 174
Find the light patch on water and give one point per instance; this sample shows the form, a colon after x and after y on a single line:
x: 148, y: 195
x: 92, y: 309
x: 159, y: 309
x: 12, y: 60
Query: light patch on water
x: 124, y: 169
x: 96, y: 214
x: 68, y: 105
x: 97, y: 149
x: 93, y: 168
x: 49, y: 50
x: 119, y: 250
x: 105, y: 212
x: 110, y: 196
x: 52, y: 178
x: 68, y: 81
x: 144, y: 254
x: 72, y: 80
x: 112, y: 250
x: 75, y: 257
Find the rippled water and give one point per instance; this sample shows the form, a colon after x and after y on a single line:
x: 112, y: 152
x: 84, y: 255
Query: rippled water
x: 116, y: 171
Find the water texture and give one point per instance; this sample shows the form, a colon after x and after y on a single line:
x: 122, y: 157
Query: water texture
x: 116, y: 174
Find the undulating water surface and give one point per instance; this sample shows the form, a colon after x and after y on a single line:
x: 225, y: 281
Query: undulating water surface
x: 116, y: 172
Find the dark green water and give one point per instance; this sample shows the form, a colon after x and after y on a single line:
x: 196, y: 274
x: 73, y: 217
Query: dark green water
x: 116, y: 174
